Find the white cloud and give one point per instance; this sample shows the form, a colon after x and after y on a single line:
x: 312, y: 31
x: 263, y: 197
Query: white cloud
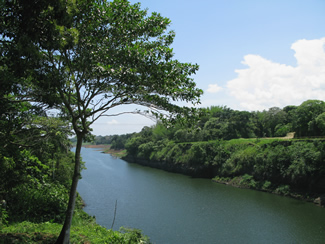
x: 113, y: 122
x: 266, y: 84
x: 214, y: 88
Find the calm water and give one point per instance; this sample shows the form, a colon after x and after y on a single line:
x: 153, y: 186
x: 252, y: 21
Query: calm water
x: 172, y: 208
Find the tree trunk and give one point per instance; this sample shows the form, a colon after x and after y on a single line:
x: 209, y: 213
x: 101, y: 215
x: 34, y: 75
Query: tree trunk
x: 64, y: 237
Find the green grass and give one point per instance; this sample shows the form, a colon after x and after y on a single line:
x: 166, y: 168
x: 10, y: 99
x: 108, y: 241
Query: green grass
x: 238, y: 141
x: 116, y: 153
x: 258, y: 141
x: 84, y: 230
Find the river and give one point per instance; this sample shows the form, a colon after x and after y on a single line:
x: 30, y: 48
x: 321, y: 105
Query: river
x: 173, y: 208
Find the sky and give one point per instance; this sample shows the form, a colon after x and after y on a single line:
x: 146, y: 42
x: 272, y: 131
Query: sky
x: 253, y: 54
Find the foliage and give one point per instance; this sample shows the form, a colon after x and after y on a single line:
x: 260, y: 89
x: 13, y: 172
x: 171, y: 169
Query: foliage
x: 116, y: 142
x: 132, y: 145
x: 84, y: 230
x: 283, y: 190
x: 145, y: 150
x: 31, y: 189
x: 248, y: 181
x: 280, y: 165
x: 263, y: 164
x: 320, y: 122
x: 306, y: 118
x: 84, y: 58
x: 38, y: 202
x: 222, y: 123
x: 88, y: 58
x: 3, y: 214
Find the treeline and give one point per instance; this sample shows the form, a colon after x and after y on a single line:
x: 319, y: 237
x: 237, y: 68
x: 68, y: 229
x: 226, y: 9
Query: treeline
x: 221, y: 122
x: 217, y: 122
x: 117, y: 142
x: 272, y: 164
x: 206, y: 149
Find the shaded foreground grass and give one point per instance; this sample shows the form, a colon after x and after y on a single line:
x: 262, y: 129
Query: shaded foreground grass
x: 84, y: 230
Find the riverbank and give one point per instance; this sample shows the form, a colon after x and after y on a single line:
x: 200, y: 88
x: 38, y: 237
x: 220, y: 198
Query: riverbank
x: 105, y: 148
x: 84, y: 229
x: 211, y: 171
x: 247, y: 182
x: 101, y: 146
x: 293, y: 168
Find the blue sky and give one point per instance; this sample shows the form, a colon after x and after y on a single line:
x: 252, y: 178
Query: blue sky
x: 253, y: 54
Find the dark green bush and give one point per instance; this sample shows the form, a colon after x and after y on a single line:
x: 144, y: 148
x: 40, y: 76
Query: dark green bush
x: 145, y: 150
x: 38, y: 202
x: 283, y: 190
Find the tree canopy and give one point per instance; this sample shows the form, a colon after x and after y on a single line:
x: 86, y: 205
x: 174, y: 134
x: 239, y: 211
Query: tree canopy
x: 84, y: 58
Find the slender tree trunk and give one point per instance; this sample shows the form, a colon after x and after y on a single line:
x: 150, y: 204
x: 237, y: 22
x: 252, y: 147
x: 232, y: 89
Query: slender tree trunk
x: 64, y: 237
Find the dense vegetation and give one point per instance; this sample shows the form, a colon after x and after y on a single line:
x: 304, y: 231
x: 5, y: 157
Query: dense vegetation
x: 78, y: 60
x: 305, y: 120
x: 214, y: 147
x: 64, y: 64
x: 221, y: 123
x: 36, y: 166
x: 115, y: 141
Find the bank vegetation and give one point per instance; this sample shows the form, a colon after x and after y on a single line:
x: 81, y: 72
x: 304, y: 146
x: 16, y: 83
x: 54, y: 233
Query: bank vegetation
x: 277, y: 150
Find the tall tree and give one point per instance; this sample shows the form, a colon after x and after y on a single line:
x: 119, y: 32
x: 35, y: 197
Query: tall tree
x: 93, y: 56
x: 306, y: 114
x: 122, y: 57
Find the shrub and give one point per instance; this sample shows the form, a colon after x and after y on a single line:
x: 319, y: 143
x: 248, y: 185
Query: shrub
x: 241, y: 161
x: 246, y: 180
x: 196, y: 154
x: 283, y: 190
x: 266, y: 185
x: 145, y: 150
x: 3, y: 214
x: 38, y: 202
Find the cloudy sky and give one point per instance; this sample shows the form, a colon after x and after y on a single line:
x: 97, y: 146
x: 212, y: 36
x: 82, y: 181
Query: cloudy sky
x: 253, y: 54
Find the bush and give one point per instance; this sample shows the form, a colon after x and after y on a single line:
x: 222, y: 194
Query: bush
x: 196, y: 155
x: 145, y: 150
x: 283, y: 190
x: 64, y: 169
x: 174, y: 153
x: 3, y: 214
x: 272, y: 163
x: 240, y: 161
x: 38, y: 202
x: 266, y: 185
x: 248, y: 181
x: 133, y: 236
x: 132, y: 145
x: 306, y: 163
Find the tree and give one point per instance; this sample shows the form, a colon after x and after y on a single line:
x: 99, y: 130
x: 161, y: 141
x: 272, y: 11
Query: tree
x: 104, y: 55
x: 273, y: 117
x: 122, y: 57
x: 320, y: 121
x: 306, y: 114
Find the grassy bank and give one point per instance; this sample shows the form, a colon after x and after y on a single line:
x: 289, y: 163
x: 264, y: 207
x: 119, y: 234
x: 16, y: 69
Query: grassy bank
x: 116, y: 153
x: 84, y: 230
x: 106, y: 148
